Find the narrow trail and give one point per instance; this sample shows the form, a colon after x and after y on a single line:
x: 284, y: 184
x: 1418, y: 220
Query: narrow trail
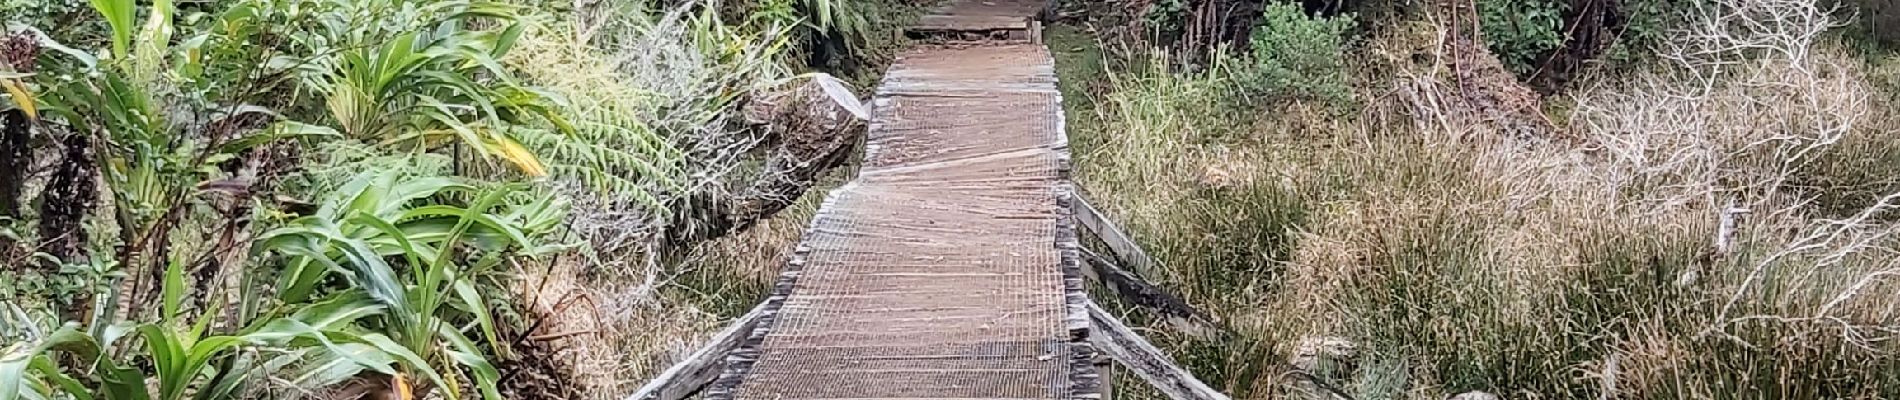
x: 948, y: 269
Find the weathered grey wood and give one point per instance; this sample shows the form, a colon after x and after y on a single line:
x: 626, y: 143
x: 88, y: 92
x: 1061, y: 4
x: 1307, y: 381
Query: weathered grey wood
x: 1118, y: 241
x: 1142, y: 358
x: 1177, y: 313
x: 693, y: 373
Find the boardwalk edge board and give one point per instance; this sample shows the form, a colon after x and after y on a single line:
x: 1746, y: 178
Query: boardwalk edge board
x: 697, y: 370
x: 740, y: 359
x: 1085, y: 380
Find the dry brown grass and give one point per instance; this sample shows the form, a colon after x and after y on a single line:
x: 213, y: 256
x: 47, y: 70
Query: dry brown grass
x: 633, y: 323
x: 1459, y: 257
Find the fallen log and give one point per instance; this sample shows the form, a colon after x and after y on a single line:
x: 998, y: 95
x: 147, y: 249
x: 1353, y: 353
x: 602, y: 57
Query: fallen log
x: 694, y: 372
x: 810, y: 127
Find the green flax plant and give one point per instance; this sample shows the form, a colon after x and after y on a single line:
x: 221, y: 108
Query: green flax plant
x: 412, y: 263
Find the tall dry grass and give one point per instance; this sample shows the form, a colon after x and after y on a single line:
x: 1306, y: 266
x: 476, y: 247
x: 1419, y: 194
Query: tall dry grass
x: 1712, y: 234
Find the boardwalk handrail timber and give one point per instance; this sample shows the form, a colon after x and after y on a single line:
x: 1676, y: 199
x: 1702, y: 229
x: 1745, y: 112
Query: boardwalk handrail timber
x: 1148, y: 362
x: 1118, y: 241
x: 1175, y: 312
x: 1129, y: 285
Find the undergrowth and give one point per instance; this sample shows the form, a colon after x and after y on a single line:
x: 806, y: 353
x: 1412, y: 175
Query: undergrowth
x: 1454, y: 259
x: 1294, y: 56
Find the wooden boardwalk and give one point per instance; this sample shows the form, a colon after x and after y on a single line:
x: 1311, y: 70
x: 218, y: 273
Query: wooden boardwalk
x: 948, y: 268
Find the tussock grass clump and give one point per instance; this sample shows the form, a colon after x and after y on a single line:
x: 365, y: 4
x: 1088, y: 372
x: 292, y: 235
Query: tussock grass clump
x: 1699, y: 234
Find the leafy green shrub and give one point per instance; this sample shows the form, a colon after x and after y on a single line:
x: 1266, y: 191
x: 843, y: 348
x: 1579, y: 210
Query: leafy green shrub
x: 1646, y: 29
x: 855, y: 40
x: 428, y: 286
x: 176, y: 357
x: 1295, y: 57
x: 1519, y: 32
x: 1164, y: 17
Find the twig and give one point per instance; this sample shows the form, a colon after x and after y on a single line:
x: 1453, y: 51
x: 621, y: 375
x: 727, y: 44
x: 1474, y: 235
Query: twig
x: 553, y: 336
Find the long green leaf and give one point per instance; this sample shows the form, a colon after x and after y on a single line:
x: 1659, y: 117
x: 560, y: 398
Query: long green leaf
x: 372, y: 273
x: 13, y: 362
x: 119, y: 14
x: 231, y: 377
x: 198, y: 358
x: 368, y: 269
x: 464, y: 352
x: 310, y: 262
x: 173, y: 293
x: 336, y: 364
x: 169, y: 359
x: 279, y: 131
x: 18, y: 357
x: 50, y: 371
x: 473, y: 304
x: 122, y: 383
x: 392, y: 233
x: 339, y: 311
x: 410, y: 360
x: 470, y: 215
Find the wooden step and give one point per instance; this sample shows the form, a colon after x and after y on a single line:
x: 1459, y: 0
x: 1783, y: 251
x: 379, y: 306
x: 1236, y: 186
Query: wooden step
x: 975, y: 29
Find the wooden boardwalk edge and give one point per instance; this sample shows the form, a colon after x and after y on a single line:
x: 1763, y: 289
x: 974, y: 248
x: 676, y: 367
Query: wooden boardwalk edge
x: 697, y: 370
x: 740, y: 359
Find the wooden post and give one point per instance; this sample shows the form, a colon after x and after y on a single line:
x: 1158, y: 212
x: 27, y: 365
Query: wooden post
x: 1105, y: 369
x: 695, y: 371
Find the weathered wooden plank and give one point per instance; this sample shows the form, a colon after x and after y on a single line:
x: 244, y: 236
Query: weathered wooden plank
x: 690, y: 375
x: 1177, y: 313
x: 970, y: 23
x: 1085, y: 381
x: 1142, y: 358
x: 1118, y: 240
x: 1035, y: 31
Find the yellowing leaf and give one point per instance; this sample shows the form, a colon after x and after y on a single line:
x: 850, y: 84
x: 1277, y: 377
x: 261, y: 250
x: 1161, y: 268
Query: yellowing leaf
x: 402, y: 388
x: 515, y: 153
x: 21, y: 98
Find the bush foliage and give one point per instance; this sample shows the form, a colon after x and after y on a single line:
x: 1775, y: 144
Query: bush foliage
x: 1522, y: 32
x: 341, y: 197
x: 1295, y: 56
x: 1455, y: 258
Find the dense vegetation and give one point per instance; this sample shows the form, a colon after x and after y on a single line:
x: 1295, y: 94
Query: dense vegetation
x: 536, y: 198
x: 381, y: 199
x: 1702, y: 207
